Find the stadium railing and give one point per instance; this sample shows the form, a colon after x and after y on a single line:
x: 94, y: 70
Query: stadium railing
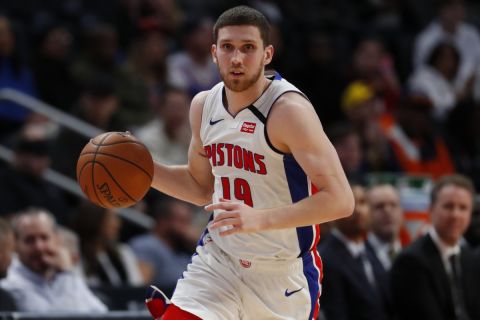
x: 76, y: 125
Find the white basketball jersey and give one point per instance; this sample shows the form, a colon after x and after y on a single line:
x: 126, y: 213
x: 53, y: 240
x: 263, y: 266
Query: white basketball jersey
x: 247, y: 168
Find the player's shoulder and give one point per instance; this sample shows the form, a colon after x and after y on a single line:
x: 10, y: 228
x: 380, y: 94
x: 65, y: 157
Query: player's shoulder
x: 290, y: 104
x: 199, y: 99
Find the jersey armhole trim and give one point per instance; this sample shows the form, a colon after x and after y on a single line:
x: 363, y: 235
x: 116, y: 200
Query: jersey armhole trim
x: 266, y: 119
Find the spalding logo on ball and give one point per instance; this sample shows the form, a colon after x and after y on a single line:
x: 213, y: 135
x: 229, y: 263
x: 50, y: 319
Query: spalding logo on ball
x: 115, y: 170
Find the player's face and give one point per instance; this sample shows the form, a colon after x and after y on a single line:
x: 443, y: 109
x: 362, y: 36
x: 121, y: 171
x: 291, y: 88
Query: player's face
x: 240, y: 56
x: 451, y: 213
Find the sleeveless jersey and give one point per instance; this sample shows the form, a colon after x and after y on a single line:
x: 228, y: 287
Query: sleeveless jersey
x: 247, y: 168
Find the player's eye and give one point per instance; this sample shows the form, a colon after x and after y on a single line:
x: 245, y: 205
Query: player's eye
x: 249, y: 47
x: 227, y: 46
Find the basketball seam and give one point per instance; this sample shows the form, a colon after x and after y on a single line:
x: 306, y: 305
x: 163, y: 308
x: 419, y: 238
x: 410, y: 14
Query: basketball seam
x: 119, y: 158
x: 93, y: 169
x: 100, y: 144
x: 115, y: 181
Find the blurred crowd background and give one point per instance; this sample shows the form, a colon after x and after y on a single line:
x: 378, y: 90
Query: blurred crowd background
x: 396, y: 84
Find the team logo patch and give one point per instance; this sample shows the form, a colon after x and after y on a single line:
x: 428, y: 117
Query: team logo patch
x: 248, y: 127
x: 245, y: 263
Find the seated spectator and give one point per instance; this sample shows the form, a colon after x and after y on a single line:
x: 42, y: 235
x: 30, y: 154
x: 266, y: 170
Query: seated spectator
x: 97, y: 106
x: 22, y: 183
x: 171, y: 243
x: 437, y: 276
x: 51, y: 67
x: 41, y: 279
x: 415, y: 144
x: 374, y: 66
x: 144, y: 76
x: 7, y: 302
x: 192, y: 68
x: 168, y: 135
x: 436, y: 80
x: 352, y: 287
x: 450, y: 25
x: 365, y: 111
x: 387, y: 217
x: 347, y: 143
x: 105, y: 261
x: 14, y: 74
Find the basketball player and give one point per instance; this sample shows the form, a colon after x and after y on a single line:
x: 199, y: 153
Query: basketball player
x: 258, y: 149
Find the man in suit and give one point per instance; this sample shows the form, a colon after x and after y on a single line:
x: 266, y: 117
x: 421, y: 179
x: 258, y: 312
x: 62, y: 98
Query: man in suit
x: 351, y: 290
x: 383, y: 240
x: 436, y: 277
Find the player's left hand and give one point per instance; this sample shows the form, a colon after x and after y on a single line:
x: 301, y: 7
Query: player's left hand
x: 239, y: 217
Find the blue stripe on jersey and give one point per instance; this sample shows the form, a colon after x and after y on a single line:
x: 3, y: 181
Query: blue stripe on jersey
x: 205, y: 232
x: 311, y: 273
x: 278, y: 76
x: 298, y: 185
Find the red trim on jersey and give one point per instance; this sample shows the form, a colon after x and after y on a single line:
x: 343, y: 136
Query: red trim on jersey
x: 175, y: 313
x: 318, y: 263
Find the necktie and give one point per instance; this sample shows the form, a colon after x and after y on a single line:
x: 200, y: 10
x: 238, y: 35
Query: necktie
x: 392, y: 253
x: 367, y: 268
x: 456, y: 286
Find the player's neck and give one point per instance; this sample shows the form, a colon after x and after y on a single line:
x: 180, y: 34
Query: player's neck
x: 237, y: 101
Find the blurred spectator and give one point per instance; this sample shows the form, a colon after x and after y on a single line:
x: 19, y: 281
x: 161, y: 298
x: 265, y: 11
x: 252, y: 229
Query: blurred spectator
x: 374, y: 66
x: 450, y: 26
x: 192, y: 68
x: 22, y: 183
x: 352, y: 288
x: 70, y: 241
x: 387, y: 217
x: 166, y: 13
x: 436, y: 80
x: 318, y: 76
x: 437, y: 276
x: 98, y: 55
x: 105, y: 261
x: 14, y: 74
x: 7, y: 303
x: 170, y: 245
x: 41, y: 279
x: 51, y: 67
x: 364, y: 110
x: 97, y: 106
x: 347, y: 143
x: 144, y: 76
x: 168, y: 135
x: 416, y: 145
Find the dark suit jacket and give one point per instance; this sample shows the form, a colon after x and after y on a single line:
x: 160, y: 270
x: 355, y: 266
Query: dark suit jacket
x: 7, y: 303
x: 382, y: 277
x: 346, y: 292
x: 420, y: 285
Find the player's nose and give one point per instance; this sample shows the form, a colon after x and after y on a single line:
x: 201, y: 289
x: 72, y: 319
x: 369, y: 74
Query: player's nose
x: 237, y: 57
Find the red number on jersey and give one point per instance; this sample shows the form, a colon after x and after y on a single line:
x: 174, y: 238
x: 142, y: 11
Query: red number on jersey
x: 241, y: 190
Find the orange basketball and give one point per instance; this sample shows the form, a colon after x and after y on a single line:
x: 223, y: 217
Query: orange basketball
x: 115, y: 170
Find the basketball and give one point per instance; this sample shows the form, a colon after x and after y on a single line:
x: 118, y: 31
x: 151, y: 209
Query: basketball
x: 115, y: 170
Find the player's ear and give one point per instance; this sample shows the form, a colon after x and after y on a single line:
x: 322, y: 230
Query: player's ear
x: 268, y: 54
x: 213, y: 50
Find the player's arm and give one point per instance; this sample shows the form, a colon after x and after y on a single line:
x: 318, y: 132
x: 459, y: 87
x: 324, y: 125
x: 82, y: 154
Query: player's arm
x: 303, y: 136
x: 192, y: 182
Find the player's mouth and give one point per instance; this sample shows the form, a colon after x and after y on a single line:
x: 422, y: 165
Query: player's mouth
x: 236, y: 73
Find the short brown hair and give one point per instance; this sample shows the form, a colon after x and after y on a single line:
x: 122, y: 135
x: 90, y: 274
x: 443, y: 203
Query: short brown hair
x: 456, y: 180
x: 243, y: 16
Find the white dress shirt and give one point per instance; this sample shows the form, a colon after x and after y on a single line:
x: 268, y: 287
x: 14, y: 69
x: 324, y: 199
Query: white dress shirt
x: 446, y: 251
x: 382, y: 249
x: 65, y: 291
